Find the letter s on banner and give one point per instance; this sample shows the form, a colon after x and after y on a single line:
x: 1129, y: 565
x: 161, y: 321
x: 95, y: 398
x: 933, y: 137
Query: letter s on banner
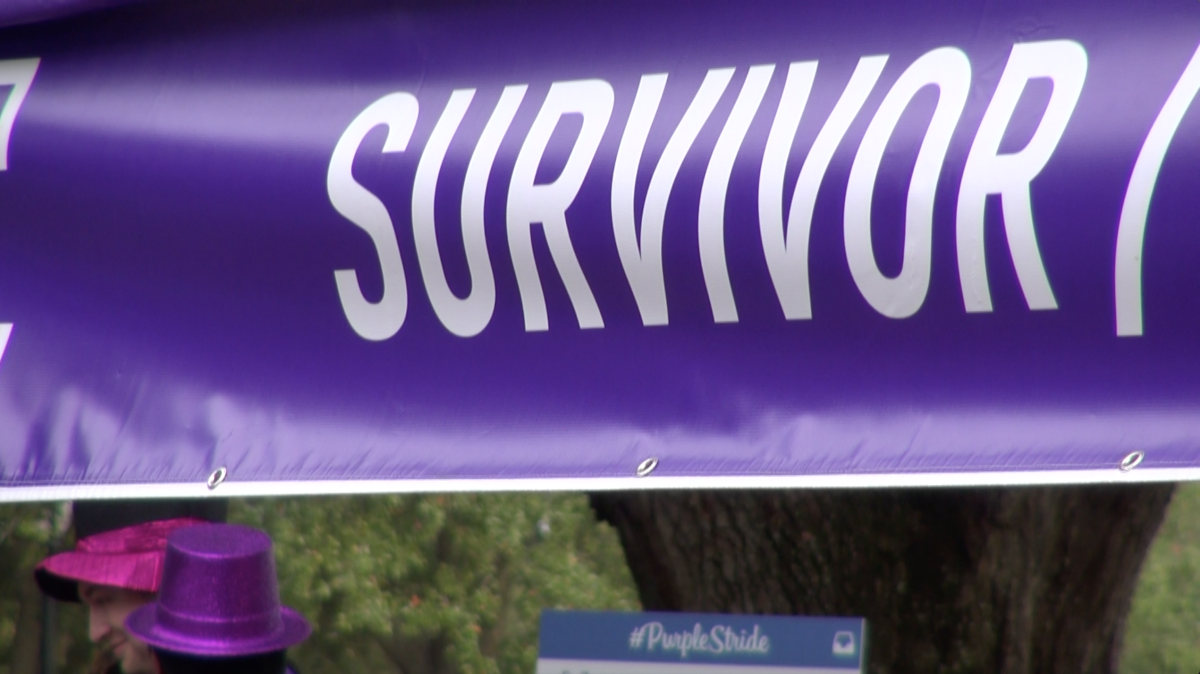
x: 372, y: 320
x: 988, y: 172
x: 901, y: 297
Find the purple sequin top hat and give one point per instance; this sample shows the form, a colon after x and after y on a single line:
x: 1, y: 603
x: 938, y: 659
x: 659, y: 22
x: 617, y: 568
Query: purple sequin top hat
x: 219, y: 596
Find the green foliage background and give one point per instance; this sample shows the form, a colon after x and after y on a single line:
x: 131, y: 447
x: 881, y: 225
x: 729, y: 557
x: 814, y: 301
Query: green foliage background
x: 429, y: 584
x: 1163, y: 632
x: 454, y: 584
x: 25, y: 531
x: 420, y: 584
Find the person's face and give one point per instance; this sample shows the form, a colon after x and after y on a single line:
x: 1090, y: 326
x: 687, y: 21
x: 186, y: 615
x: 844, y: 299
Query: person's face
x: 107, y: 609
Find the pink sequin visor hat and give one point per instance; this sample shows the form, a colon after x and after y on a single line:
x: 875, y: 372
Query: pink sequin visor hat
x: 117, y: 550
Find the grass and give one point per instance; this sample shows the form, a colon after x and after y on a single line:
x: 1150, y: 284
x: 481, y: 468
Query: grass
x: 1163, y: 631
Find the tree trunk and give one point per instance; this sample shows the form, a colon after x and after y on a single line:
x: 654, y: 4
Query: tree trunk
x: 987, y: 581
x: 417, y: 654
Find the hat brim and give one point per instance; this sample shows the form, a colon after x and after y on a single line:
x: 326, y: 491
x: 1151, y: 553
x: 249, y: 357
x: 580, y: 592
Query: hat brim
x: 59, y: 576
x: 56, y: 587
x: 143, y: 625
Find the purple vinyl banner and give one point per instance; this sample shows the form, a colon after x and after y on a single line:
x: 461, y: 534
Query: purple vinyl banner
x: 13, y: 12
x: 307, y: 247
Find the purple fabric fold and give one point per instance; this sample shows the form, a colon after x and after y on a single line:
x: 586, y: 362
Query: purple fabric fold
x: 14, y: 12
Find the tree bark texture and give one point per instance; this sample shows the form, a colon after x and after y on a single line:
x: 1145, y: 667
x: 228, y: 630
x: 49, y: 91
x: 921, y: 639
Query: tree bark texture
x: 989, y: 581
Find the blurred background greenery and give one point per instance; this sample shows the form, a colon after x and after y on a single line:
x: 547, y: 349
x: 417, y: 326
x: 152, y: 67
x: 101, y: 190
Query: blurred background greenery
x: 1163, y: 632
x: 453, y: 584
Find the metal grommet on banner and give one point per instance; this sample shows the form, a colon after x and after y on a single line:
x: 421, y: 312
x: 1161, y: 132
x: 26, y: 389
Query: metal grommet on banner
x: 217, y: 477
x: 646, y: 467
x: 1132, y: 461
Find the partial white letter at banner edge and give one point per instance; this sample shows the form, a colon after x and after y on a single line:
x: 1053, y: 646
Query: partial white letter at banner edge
x: 1131, y: 230
x: 5, y: 334
x: 18, y: 73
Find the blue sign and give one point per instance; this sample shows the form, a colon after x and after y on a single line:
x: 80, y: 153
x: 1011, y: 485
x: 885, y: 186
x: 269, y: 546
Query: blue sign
x: 586, y: 642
